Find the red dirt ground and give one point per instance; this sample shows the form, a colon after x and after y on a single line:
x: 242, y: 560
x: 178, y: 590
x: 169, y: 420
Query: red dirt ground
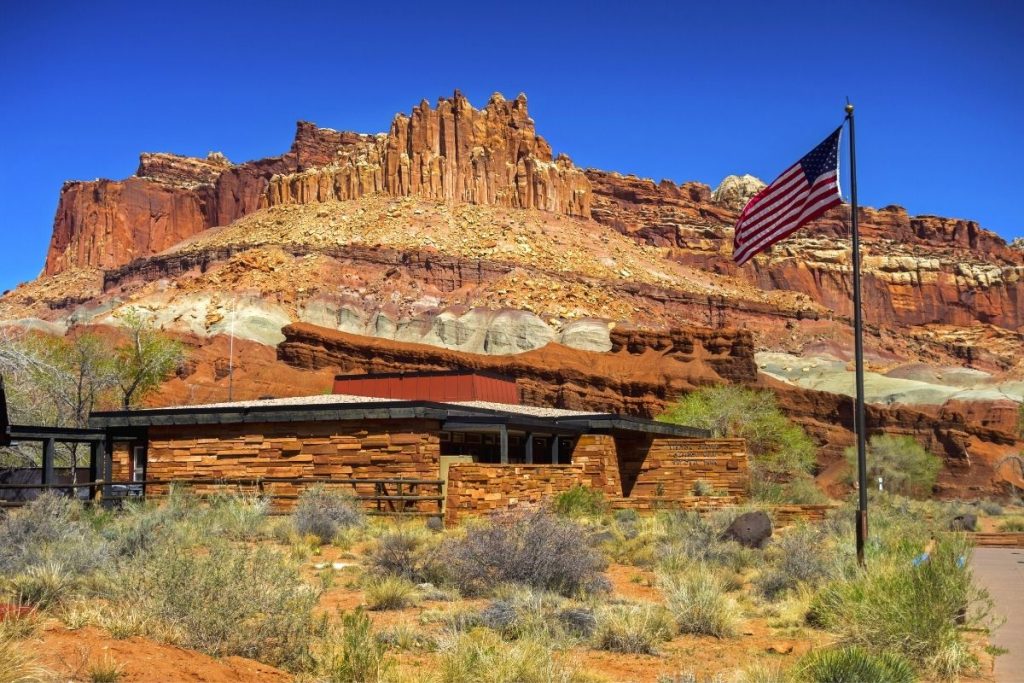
x: 70, y: 654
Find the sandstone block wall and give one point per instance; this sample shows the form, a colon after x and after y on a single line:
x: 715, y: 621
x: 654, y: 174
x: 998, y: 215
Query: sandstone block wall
x: 407, y: 449
x: 658, y: 473
x: 670, y: 468
x: 475, y: 488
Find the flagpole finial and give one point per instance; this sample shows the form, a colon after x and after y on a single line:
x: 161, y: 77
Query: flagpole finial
x: 849, y: 108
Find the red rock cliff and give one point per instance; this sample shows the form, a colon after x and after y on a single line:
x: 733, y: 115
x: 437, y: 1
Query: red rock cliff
x: 917, y: 269
x: 453, y: 153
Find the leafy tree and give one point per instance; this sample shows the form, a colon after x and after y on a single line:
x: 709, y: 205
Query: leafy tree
x: 146, y: 360
x: 777, y: 445
x: 59, y: 381
x: 903, y: 464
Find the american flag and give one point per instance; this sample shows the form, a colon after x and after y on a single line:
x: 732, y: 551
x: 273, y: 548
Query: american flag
x: 804, y: 191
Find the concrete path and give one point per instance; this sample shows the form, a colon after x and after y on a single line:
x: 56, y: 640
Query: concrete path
x: 1001, y: 571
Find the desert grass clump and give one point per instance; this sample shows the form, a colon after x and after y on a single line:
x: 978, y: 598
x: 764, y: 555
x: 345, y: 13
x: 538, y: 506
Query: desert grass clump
x: 481, y: 656
x: 518, y: 612
x: 105, y: 670
x: 692, y: 537
x: 580, y: 501
x: 390, y: 592
x: 536, y: 549
x: 407, y: 637
x: 42, y: 585
x: 699, y: 604
x: 325, y: 512
x: 225, y: 600
x: 801, y: 556
x: 350, y: 653
x: 633, y: 629
x: 854, y: 664
x: 51, y: 529
x: 17, y: 664
x: 236, y: 516
x: 913, y: 611
x: 1012, y: 524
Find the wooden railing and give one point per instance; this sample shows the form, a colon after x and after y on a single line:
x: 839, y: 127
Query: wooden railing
x: 391, y: 496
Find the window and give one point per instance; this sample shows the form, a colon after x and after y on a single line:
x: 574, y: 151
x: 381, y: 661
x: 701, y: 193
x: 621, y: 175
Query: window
x: 139, y: 463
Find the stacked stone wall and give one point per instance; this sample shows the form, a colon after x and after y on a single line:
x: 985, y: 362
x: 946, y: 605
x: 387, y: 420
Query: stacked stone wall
x: 407, y: 449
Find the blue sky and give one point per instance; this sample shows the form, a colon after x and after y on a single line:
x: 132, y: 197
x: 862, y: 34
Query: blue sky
x: 664, y: 90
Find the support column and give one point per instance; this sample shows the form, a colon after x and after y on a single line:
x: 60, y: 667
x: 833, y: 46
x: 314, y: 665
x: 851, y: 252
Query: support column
x: 503, y: 437
x: 529, y: 448
x: 108, y: 467
x: 48, y: 453
x: 95, y: 464
x: 554, y: 449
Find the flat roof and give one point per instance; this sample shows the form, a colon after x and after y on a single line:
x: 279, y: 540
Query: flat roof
x: 339, y: 407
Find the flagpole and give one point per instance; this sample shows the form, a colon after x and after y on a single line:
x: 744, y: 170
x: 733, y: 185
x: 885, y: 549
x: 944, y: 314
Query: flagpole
x: 860, y: 421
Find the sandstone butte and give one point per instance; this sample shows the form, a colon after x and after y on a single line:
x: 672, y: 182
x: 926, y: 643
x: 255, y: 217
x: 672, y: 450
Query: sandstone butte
x: 459, y: 227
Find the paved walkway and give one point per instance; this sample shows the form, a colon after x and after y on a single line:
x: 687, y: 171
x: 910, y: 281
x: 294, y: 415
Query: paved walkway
x: 1001, y: 571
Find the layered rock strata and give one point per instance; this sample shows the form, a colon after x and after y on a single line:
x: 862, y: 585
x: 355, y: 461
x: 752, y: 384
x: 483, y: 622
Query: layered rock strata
x: 644, y: 371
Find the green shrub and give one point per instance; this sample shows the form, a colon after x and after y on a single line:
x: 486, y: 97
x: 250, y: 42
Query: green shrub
x: 991, y: 508
x: 854, y: 665
x: 226, y: 600
x: 699, y: 604
x: 350, y: 653
x: 522, y: 612
x: 390, y: 592
x: 777, y: 445
x: 634, y: 629
x: 481, y: 656
x: 535, y: 549
x: 903, y: 464
x: 1012, y: 524
x: 909, y: 610
x: 580, y: 501
x: 324, y: 512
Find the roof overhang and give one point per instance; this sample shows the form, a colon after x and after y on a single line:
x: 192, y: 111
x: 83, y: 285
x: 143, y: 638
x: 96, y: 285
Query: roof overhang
x: 446, y: 413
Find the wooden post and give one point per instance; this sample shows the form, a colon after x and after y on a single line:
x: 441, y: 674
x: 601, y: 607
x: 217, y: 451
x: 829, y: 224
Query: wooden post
x: 529, y: 448
x: 503, y: 437
x: 48, y: 462
x: 554, y: 449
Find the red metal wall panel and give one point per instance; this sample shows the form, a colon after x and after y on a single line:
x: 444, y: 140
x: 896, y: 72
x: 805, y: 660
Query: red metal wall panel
x: 440, y: 386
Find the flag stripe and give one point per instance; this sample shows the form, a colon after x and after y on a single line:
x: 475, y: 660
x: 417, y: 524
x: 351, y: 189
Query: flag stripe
x: 795, y: 208
x: 773, y: 232
x: 781, y: 207
x: 770, y: 201
x: 801, y: 193
x: 832, y: 202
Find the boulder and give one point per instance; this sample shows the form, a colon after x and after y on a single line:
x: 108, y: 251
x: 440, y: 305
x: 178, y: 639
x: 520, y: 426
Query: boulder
x: 965, y: 522
x: 751, y: 529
